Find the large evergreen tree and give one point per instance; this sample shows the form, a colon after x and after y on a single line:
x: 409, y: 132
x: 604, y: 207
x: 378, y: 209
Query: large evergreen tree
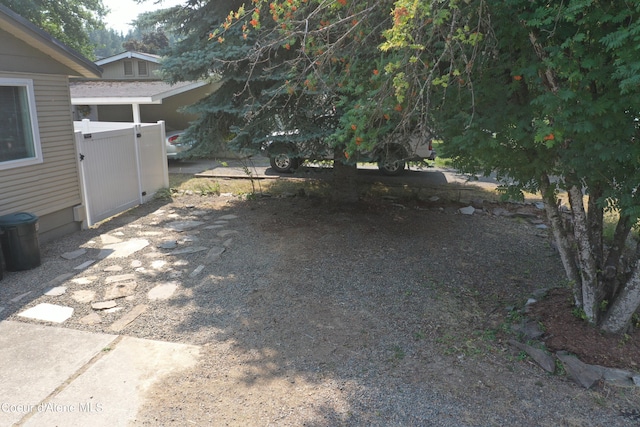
x: 70, y: 21
x: 546, y: 94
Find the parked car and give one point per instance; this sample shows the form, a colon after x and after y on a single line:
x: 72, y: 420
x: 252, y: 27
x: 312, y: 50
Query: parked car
x: 175, y: 144
x: 391, y: 155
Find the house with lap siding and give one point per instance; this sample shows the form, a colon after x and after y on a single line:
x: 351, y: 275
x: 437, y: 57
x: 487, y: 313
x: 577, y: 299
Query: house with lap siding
x: 38, y: 159
x: 131, y: 90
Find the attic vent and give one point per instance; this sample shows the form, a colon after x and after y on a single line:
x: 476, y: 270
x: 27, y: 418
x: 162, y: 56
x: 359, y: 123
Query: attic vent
x: 128, y: 68
x: 142, y: 68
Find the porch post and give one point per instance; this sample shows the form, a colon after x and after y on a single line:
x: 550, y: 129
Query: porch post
x: 136, y: 113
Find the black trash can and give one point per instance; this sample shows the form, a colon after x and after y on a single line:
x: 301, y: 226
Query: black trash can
x: 19, y: 241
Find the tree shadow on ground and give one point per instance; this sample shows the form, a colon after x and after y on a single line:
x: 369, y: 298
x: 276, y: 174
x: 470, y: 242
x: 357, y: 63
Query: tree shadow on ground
x: 372, y: 313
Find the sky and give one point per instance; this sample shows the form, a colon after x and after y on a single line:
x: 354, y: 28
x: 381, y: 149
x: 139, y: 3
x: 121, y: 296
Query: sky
x: 125, y: 11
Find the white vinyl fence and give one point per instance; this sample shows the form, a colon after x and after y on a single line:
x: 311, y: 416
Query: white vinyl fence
x: 121, y: 165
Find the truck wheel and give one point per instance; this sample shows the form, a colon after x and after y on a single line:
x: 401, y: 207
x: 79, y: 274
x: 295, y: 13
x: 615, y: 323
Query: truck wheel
x: 391, y: 162
x: 282, y: 162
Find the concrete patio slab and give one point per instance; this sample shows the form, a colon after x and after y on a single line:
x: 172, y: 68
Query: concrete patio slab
x: 36, y: 360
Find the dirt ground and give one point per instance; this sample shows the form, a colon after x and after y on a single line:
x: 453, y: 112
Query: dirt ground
x: 386, y: 312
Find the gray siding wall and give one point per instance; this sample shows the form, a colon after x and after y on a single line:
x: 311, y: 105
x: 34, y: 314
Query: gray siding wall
x: 18, y: 56
x: 49, y: 189
x: 115, y: 70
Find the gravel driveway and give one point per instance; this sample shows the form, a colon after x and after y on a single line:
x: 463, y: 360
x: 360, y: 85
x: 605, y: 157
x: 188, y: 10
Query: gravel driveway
x: 309, y: 314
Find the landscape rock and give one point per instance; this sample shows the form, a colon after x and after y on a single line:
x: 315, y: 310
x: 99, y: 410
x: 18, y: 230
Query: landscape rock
x: 588, y: 376
x: 468, y: 210
x: 544, y: 360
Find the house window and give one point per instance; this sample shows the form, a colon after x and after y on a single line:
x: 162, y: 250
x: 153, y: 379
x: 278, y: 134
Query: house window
x: 128, y: 68
x: 19, y: 136
x: 142, y: 68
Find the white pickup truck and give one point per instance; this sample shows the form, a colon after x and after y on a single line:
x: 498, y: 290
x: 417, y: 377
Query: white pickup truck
x: 391, y: 155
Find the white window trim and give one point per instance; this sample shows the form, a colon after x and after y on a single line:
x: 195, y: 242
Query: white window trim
x: 35, y: 129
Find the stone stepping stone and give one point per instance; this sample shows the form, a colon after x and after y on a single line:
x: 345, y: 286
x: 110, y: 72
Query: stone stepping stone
x: 113, y: 269
x: 135, y: 263
x: 227, y: 243
x: 227, y: 217
x: 213, y: 227
x: 84, y: 296
x: 181, y: 226
x: 168, y: 244
x: 152, y: 233
x: 113, y: 310
x: 175, y: 274
x: 226, y: 233
x: 196, y: 271
x: 103, y: 305
x: 158, y: 264
x: 188, y: 239
x: 189, y: 250
x: 120, y: 278
x: 120, y: 290
x: 129, y: 317
x: 84, y: 265
x: 91, y: 319
x: 74, y: 254
x: 84, y: 280
x: 48, y: 313
x: 163, y: 291
x: 109, y: 240
x: 214, y: 253
x: 56, y: 292
x: 123, y: 249
x: 220, y: 222
x: 181, y: 263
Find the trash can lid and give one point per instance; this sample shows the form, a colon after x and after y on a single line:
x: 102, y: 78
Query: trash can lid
x: 17, y: 219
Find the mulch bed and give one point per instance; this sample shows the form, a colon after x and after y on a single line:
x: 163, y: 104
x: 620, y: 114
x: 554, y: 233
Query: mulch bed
x: 564, y: 331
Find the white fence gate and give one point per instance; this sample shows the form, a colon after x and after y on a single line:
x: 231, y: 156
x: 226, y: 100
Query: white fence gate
x: 121, y: 165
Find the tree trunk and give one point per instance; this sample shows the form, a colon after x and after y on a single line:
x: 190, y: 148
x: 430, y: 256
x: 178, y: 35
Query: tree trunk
x: 562, y: 240
x: 586, y: 259
x: 623, y: 307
